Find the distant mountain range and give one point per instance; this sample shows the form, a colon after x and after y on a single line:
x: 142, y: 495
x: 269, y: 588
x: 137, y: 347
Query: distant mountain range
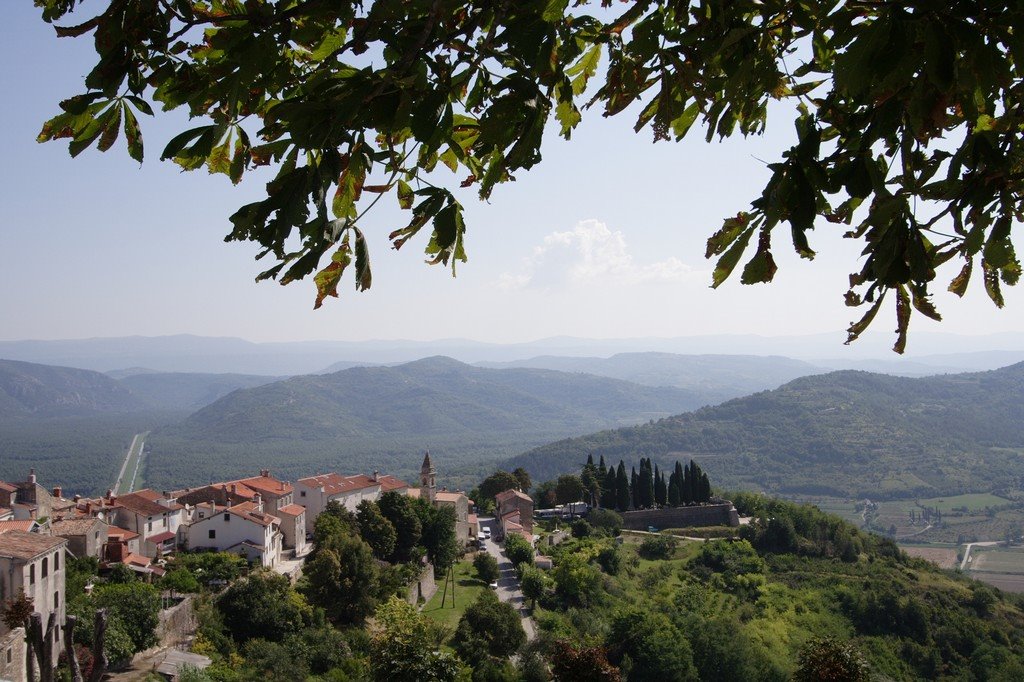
x: 187, y: 353
x: 188, y: 391
x: 846, y: 433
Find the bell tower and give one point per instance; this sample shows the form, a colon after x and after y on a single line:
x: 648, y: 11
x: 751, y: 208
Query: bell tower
x: 428, y: 485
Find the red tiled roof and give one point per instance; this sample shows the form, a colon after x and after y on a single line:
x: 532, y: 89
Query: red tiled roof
x: 292, y: 510
x: 18, y: 544
x: 267, y: 485
x: 389, y: 483
x: 336, y: 484
x: 25, y: 525
x: 442, y: 496
x: 123, y: 534
x: 140, y: 505
x: 74, y: 526
x: 247, y: 511
x: 4, y: 485
x: 148, y: 494
x: 509, y: 494
x: 160, y: 537
x: 472, y: 518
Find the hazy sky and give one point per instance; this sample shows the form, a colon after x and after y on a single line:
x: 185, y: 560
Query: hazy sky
x: 604, y: 239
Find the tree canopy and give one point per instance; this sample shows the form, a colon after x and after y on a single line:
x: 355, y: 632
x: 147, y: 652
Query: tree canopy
x: 908, y: 117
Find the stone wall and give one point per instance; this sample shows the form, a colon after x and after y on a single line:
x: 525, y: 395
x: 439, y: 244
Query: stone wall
x: 423, y: 587
x: 177, y: 624
x: 557, y: 537
x: 682, y: 517
x: 12, y: 646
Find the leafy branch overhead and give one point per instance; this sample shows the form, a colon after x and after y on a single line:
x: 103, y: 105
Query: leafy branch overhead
x: 909, y: 117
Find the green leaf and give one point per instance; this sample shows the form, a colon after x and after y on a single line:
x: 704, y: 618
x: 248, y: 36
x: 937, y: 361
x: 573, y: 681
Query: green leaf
x: 727, y: 263
x: 959, y: 284
x: 133, y: 135
x: 902, y: 319
x: 111, y: 129
x: 857, y: 328
x: 405, y: 195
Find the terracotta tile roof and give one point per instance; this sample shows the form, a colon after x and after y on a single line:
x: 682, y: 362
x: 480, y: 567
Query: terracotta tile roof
x: 413, y: 492
x: 509, y: 494
x: 81, y: 526
x: 442, y: 496
x: 5, y: 512
x: 472, y: 518
x: 160, y: 537
x: 267, y: 485
x: 123, y: 534
x: 24, y: 526
x: 18, y: 544
x: 140, y: 505
x: 336, y: 484
x: 389, y: 483
x: 7, y: 487
x: 148, y: 494
x: 247, y: 510
x: 292, y: 510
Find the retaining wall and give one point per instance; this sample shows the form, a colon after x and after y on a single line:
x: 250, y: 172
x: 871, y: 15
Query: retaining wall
x: 682, y: 517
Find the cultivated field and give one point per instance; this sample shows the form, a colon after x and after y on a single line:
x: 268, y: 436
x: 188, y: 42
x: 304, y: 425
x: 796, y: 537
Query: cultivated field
x: 943, y: 557
x: 973, y: 502
x: 998, y: 560
x: 1005, y: 582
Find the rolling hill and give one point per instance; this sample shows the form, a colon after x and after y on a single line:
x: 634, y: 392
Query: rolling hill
x: 848, y: 433
x: 383, y: 417
x: 188, y: 391
x: 31, y: 390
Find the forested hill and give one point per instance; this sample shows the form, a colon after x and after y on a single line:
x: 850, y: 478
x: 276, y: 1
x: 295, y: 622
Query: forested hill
x: 381, y: 417
x: 845, y: 433
x: 717, y: 377
x: 31, y: 390
x: 188, y: 391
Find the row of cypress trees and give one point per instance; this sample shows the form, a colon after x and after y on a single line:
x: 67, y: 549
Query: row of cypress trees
x: 647, y: 488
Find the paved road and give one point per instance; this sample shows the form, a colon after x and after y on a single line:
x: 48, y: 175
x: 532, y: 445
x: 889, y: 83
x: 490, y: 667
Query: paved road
x: 127, y: 460
x: 967, y: 551
x: 508, y: 583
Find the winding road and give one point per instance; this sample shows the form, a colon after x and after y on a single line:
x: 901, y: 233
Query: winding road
x: 508, y: 583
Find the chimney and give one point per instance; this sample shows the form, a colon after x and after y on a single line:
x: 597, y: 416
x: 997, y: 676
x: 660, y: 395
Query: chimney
x: 258, y: 501
x: 32, y: 475
x: 265, y: 473
x: 375, y: 474
x: 109, y: 493
x: 77, y: 498
x: 57, y: 492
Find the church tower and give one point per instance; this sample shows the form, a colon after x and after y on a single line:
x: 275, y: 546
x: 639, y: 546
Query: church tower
x: 427, y: 484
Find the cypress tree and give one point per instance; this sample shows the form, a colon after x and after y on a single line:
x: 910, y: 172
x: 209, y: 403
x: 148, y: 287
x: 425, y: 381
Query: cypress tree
x: 687, y: 490
x: 608, y: 489
x: 634, y: 488
x: 621, y: 488
x: 673, y: 491
x: 660, y: 490
x: 705, y: 488
x: 646, y: 494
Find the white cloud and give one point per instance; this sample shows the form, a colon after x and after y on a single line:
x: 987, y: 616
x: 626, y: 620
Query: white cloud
x: 590, y: 253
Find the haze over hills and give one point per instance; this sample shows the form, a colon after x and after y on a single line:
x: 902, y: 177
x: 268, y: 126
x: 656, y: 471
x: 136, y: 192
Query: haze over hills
x: 188, y: 391
x: 187, y: 353
x: 382, y: 417
x: 851, y: 434
x: 717, y: 377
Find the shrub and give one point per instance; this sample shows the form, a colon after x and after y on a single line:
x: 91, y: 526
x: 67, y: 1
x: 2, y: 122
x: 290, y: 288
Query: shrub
x: 658, y: 547
x: 486, y: 567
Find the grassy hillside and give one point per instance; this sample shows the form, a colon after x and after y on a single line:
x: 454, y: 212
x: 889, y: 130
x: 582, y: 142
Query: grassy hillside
x: 744, y: 610
x: 28, y: 389
x: 849, y: 434
x: 384, y: 417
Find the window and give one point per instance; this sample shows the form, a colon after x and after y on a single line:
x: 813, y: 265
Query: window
x: 302, y: 493
x: 10, y: 654
x: 150, y: 525
x: 32, y: 574
x: 56, y: 561
x: 46, y: 567
x: 213, y: 534
x: 56, y: 600
x: 165, y: 522
x: 227, y: 517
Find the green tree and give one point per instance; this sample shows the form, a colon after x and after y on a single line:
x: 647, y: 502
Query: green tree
x: 498, y: 482
x: 180, y: 580
x: 407, y: 646
x: 518, y: 550
x: 486, y: 567
x: 376, y: 530
x: 533, y: 583
x: 576, y: 582
x: 918, y: 155
x: 660, y: 488
x: 135, y: 606
x: 623, y: 497
x: 607, y: 520
x: 656, y: 649
x: 829, y: 659
x: 571, y: 663
x: 400, y: 512
x: 438, y: 537
x: 262, y: 605
x: 569, y: 488
x: 608, y: 490
x: 343, y: 580
x: 488, y: 627
x: 523, y: 477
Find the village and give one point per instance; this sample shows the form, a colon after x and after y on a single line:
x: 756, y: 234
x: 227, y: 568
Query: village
x: 265, y: 520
